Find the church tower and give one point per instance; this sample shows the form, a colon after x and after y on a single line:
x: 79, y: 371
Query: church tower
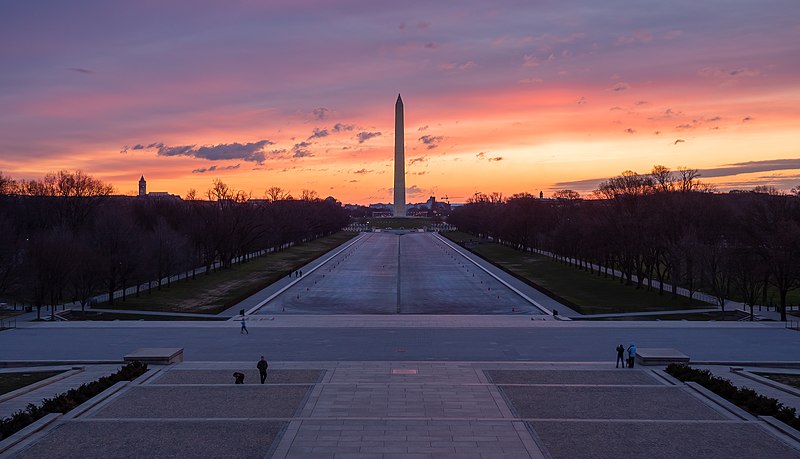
x: 142, y: 187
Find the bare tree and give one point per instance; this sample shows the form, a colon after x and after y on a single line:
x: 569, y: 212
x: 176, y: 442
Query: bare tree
x: 7, y: 185
x: 276, y: 193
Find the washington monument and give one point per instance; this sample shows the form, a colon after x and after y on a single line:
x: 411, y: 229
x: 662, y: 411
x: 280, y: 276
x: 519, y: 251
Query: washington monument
x: 399, y: 161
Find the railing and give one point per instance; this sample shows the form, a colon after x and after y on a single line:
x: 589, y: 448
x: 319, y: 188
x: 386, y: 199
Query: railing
x: 793, y: 325
x: 8, y: 323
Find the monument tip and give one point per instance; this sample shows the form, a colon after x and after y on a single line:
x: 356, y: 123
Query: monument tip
x: 399, y: 99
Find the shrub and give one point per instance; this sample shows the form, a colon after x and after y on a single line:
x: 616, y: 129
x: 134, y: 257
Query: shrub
x: 746, y: 398
x: 68, y: 400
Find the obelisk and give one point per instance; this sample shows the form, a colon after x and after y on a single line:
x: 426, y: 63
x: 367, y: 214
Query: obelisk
x: 399, y: 161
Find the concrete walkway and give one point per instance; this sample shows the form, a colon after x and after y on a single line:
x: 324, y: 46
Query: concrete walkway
x: 392, y: 410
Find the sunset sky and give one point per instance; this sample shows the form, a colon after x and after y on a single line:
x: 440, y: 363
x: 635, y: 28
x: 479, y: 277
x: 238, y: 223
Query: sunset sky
x: 506, y: 96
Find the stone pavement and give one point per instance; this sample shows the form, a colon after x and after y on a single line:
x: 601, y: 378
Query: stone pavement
x: 411, y: 410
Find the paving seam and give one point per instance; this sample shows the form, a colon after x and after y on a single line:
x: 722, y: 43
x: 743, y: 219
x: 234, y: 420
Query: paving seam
x: 776, y: 433
x: 283, y: 446
x: 533, y: 444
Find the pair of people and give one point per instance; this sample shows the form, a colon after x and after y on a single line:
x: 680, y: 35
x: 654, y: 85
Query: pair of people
x: 262, y: 366
x: 621, y: 356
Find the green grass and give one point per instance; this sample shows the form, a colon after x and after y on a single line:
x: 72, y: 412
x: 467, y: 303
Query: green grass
x: 789, y: 380
x: 13, y: 381
x: 393, y: 222
x: 584, y: 292
x: 107, y: 316
x: 217, y: 291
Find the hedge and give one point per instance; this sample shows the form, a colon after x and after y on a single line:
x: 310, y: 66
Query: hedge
x: 745, y: 398
x: 65, y: 402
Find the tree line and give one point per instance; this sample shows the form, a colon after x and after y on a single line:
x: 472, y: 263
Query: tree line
x: 66, y: 237
x: 665, y: 226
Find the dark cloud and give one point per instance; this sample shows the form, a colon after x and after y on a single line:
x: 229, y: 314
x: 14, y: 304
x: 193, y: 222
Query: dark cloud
x: 419, y: 173
x: 630, y: 131
x: 726, y: 170
x: 319, y: 133
x: 641, y: 102
x: 339, y: 127
x: 752, y: 166
x: 431, y: 141
x: 300, y: 150
x: 614, y: 109
x: 685, y: 126
x: 214, y: 168
x: 716, y: 72
x: 413, y: 189
x: 481, y: 155
x: 423, y: 128
x: 281, y: 153
x: 364, y: 136
x: 582, y: 101
x: 420, y: 159
x: 320, y: 113
x: 619, y: 87
x: 496, y: 158
x: 80, y: 70
x: 362, y: 171
x: 677, y: 141
x: 253, y: 152
x: 747, y: 118
x: 458, y: 66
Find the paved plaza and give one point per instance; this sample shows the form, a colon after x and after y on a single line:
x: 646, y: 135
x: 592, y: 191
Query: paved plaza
x: 412, y: 409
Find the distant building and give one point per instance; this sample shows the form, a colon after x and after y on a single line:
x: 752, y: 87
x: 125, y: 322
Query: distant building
x: 153, y: 194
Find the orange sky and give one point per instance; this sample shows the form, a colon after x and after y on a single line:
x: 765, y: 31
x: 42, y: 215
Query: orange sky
x: 507, y: 97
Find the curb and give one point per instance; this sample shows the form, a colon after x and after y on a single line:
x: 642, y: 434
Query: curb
x: 728, y: 407
x: 26, y: 433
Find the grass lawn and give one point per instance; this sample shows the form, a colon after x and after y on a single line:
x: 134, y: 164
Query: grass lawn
x: 14, y: 381
x: 584, y: 292
x: 789, y: 380
x: 10, y: 314
x: 701, y: 316
x: 215, y: 292
x: 105, y: 316
x: 393, y: 222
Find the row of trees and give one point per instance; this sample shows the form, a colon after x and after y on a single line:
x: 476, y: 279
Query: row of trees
x: 66, y: 237
x: 665, y: 226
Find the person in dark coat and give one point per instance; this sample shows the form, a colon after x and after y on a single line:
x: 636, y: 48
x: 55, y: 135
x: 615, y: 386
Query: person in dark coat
x: 262, y: 366
x: 621, y: 355
x: 238, y: 378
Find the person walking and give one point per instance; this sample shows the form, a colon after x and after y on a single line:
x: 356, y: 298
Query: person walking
x: 262, y: 366
x: 620, y: 356
x: 631, y: 355
x: 244, y: 326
